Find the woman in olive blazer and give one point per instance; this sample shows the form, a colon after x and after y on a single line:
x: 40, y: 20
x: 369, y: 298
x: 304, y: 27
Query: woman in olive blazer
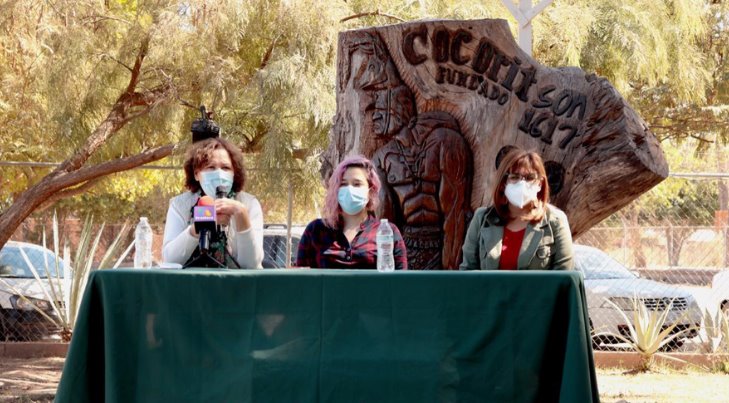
x: 520, y: 231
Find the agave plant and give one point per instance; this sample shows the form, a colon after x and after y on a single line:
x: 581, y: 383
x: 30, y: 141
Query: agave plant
x: 64, y: 293
x: 716, y: 338
x: 649, y: 331
x: 715, y: 341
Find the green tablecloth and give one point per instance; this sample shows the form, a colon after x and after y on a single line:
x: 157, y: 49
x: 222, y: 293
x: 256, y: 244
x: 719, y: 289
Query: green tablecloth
x: 330, y: 336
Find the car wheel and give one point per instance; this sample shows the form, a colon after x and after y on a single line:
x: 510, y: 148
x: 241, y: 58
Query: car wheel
x: 725, y: 308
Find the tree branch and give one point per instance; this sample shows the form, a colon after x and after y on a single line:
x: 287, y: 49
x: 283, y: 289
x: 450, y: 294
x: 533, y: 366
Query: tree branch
x: 116, y: 60
x: 115, y: 120
x: 254, y: 144
x: 59, y: 180
x: 371, y: 14
x: 67, y: 193
x: 93, y: 19
x: 269, y: 51
x: 118, y: 165
x: 134, y: 79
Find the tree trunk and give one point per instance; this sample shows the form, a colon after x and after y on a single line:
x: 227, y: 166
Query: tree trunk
x: 435, y: 104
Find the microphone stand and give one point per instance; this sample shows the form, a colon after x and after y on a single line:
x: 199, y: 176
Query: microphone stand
x: 224, y: 238
x: 204, y: 259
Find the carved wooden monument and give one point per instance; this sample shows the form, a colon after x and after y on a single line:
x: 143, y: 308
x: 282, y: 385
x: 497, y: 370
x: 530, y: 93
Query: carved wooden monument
x: 434, y: 104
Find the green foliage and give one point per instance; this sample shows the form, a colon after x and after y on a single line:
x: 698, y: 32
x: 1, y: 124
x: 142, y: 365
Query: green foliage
x: 267, y: 69
x: 681, y: 201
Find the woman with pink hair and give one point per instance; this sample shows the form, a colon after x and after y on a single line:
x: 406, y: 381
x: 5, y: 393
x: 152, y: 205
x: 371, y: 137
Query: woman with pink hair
x: 345, y: 236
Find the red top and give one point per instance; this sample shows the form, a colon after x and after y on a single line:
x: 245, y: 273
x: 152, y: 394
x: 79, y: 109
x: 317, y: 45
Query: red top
x: 510, y: 249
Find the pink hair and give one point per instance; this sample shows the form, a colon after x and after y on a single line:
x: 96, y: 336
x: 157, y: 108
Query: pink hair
x: 331, y: 212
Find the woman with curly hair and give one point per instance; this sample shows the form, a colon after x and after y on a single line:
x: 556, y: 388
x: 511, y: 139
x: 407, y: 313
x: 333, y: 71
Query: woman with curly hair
x: 211, y: 166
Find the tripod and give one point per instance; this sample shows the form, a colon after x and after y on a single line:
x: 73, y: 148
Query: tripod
x: 205, y: 259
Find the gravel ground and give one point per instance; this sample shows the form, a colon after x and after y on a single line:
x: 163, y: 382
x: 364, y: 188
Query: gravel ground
x: 35, y: 380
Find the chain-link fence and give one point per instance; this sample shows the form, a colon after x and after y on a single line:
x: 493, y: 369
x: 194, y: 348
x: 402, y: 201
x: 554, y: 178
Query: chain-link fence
x: 29, y: 280
x: 26, y: 311
x: 667, y: 251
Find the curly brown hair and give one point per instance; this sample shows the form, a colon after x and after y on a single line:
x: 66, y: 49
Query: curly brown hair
x: 200, y: 154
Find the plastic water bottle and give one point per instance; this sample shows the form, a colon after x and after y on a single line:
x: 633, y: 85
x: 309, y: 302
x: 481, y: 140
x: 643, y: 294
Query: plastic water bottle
x: 385, y: 258
x: 143, y: 244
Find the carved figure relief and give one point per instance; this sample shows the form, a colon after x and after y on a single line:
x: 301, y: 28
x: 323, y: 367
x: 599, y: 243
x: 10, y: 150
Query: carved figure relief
x: 425, y: 164
x: 434, y: 104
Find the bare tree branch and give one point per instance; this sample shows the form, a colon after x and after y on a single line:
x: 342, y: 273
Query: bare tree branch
x: 267, y: 56
x: 254, y: 144
x: 98, y: 18
x: 372, y: 14
x: 106, y: 55
x: 58, y: 181
x: 67, y: 193
x: 134, y: 79
x: 106, y: 168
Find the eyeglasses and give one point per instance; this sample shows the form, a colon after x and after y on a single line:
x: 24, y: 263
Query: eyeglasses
x: 514, y: 178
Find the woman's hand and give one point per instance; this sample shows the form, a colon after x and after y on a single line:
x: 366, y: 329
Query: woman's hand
x: 226, y: 209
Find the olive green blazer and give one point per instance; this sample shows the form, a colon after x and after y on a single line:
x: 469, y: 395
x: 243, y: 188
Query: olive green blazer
x: 546, y: 245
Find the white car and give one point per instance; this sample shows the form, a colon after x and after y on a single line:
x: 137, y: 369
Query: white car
x: 274, y: 245
x: 18, y: 319
x: 720, y: 289
x: 606, y: 279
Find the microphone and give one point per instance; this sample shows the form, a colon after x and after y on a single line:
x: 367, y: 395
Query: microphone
x: 220, y: 192
x: 203, y: 217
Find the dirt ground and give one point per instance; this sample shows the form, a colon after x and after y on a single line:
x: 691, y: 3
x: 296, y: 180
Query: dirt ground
x: 35, y: 380
x: 662, y: 386
x: 29, y: 380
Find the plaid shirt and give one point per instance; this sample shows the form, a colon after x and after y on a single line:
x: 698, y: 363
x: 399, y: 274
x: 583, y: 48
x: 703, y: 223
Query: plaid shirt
x: 326, y: 248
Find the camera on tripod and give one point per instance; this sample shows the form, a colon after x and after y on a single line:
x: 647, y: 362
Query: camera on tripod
x: 204, y: 127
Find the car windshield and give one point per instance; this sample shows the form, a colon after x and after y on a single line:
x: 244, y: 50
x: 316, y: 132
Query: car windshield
x: 597, y: 265
x: 12, y: 263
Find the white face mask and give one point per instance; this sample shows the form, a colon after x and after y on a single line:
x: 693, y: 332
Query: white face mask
x: 522, y: 192
x: 210, y: 180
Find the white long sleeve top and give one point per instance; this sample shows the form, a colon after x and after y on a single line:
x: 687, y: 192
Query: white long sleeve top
x: 178, y: 244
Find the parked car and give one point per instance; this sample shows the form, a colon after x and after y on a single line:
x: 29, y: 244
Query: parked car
x: 274, y: 245
x: 720, y: 289
x: 18, y: 319
x: 606, y: 279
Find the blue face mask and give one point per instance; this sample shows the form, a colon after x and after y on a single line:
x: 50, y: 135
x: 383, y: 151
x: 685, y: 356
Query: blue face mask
x: 353, y: 199
x: 210, y: 180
